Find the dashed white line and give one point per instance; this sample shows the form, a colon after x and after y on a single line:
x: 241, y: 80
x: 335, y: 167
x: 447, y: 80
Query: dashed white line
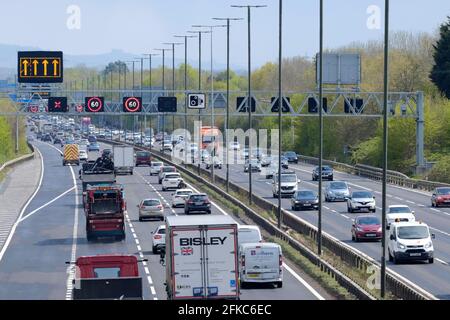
x: 442, y: 261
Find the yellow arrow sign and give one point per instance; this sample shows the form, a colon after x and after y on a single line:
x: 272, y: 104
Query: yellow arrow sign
x: 35, y: 65
x: 55, y: 67
x: 45, y: 64
x: 25, y: 67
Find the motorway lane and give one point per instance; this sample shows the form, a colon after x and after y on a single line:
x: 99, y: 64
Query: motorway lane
x: 33, y: 266
x: 337, y: 222
x: 141, y: 185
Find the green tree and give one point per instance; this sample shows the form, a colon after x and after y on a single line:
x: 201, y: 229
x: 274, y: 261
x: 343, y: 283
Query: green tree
x: 440, y: 74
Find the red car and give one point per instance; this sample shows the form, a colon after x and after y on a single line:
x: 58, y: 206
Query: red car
x: 366, y: 227
x: 441, y: 197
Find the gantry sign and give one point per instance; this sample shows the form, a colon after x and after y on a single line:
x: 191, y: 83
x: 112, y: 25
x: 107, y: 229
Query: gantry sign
x: 40, y: 67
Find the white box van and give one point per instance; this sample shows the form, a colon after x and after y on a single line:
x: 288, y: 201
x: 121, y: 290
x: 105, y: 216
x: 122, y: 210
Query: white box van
x: 260, y: 263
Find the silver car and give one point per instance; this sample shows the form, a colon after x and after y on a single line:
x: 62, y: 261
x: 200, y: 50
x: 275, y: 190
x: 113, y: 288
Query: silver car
x: 151, y: 208
x: 337, y: 191
x: 158, y: 239
x: 155, y: 167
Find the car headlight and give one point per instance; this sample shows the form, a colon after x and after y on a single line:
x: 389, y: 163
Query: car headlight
x: 401, y: 245
x: 359, y: 229
x: 429, y: 245
x: 380, y: 229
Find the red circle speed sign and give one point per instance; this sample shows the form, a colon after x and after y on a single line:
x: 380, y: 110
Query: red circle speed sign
x: 132, y: 104
x: 94, y: 104
x: 34, y: 109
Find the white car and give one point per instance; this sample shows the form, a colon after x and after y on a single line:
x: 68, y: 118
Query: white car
x: 180, y: 196
x: 410, y: 241
x: 266, y: 161
x: 399, y: 213
x: 236, y: 146
x: 361, y: 200
x: 158, y: 238
x: 172, y: 180
x: 155, y: 167
x: 83, y: 155
x: 217, y: 163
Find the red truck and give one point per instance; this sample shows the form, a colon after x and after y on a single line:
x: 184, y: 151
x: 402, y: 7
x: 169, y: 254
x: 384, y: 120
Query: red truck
x: 107, y: 277
x: 105, y: 208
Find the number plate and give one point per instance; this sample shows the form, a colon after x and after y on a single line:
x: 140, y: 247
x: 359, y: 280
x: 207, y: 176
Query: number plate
x: 415, y: 254
x: 307, y: 205
x: 371, y: 235
x: 199, y: 203
x: 253, y: 275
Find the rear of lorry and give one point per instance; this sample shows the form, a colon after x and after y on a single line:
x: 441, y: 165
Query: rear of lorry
x: 71, y: 154
x: 202, y: 260
x: 123, y: 157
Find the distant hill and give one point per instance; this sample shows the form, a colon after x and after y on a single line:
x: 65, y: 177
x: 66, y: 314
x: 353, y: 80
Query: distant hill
x: 8, y: 59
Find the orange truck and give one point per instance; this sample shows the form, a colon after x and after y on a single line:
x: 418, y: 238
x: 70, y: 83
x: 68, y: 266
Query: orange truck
x: 210, y: 138
x: 114, y: 277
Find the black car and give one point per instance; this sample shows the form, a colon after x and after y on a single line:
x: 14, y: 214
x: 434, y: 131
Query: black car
x: 57, y: 141
x: 107, y: 153
x: 305, y: 199
x: 327, y: 173
x: 47, y: 138
x: 291, y: 156
x: 198, y: 202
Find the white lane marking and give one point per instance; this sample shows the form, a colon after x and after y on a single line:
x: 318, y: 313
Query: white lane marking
x: 398, y: 198
x: 411, y: 202
x: 440, y: 231
x: 442, y: 261
x: 345, y: 216
x: 149, y: 279
x: 146, y: 270
x: 14, y: 227
x: 71, y: 267
x: 302, y: 281
x: 139, y: 249
x: 47, y: 203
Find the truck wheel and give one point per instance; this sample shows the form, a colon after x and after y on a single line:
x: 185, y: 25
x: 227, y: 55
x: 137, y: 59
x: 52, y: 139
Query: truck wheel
x: 279, y: 284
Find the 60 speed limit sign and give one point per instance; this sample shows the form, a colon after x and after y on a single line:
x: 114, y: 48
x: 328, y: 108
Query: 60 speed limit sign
x: 94, y: 104
x: 132, y: 104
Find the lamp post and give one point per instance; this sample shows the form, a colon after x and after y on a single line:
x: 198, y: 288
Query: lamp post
x: 319, y: 223
x: 163, y: 86
x: 249, y: 98
x: 185, y: 93
x: 199, y: 85
x: 211, y: 27
x: 149, y: 55
x: 173, y: 44
x: 227, y: 117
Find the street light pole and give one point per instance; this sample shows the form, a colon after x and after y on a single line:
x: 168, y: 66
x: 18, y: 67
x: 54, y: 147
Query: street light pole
x: 227, y: 120
x: 385, y: 149
x: 185, y: 94
x: 173, y: 44
x: 149, y: 55
x: 199, y: 86
x: 249, y: 98
x: 163, y: 87
x: 211, y: 27
x: 280, y: 104
x: 319, y: 224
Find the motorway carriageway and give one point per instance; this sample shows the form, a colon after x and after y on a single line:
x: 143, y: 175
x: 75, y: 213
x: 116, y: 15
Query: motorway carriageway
x: 434, y: 278
x: 51, y: 231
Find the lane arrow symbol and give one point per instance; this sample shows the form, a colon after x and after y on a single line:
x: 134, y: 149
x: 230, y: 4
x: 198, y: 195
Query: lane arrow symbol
x: 35, y: 64
x: 45, y: 63
x: 55, y: 66
x: 25, y: 67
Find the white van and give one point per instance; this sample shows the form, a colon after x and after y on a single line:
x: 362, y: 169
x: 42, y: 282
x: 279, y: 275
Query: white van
x: 410, y: 241
x: 249, y: 234
x: 260, y: 263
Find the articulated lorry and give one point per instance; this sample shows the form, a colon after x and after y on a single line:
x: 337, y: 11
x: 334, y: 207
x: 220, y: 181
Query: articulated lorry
x: 201, y: 255
x: 107, y: 277
x: 104, y: 209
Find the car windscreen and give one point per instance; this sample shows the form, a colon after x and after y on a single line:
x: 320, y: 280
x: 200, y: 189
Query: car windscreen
x: 172, y: 176
x: 248, y: 236
x: 196, y: 198
x: 157, y: 164
x: 413, y: 232
x: 162, y: 231
x: 107, y: 273
x: 443, y: 191
x: 168, y: 169
x: 399, y: 210
x: 143, y: 154
x: 306, y: 195
x: 288, y: 178
x: 368, y: 221
x: 151, y: 203
x: 338, y: 185
x: 362, y: 195
x: 183, y: 193
x: 290, y: 154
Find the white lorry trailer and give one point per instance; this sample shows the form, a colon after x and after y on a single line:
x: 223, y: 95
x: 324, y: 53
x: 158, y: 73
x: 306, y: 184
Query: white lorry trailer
x: 201, y: 258
x: 123, y: 157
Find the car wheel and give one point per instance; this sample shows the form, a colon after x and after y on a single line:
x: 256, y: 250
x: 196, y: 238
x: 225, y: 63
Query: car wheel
x: 394, y: 259
x: 275, y: 196
x: 432, y: 204
x: 356, y: 239
x: 353, y: 237
x: 374, y: 210
x: 279, y: 284
x: 348, y: 209
x: 390, y: 256
x: 154, y: 250
x: 431, y: 260
x: 140, y: 219
x: 163, y: 189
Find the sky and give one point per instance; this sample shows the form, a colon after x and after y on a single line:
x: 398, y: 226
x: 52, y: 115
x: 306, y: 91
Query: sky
x: 139, y: 26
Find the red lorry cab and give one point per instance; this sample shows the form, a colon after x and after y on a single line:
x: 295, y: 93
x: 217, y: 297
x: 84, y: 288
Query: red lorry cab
x: 99, y: 266
x: 143, y: 158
